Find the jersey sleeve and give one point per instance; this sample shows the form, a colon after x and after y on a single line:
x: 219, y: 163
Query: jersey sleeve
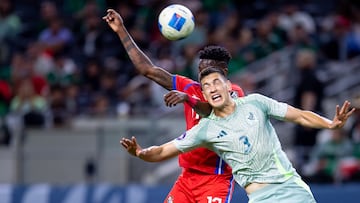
x: 181, y: 83
x: 272, y: 107
x: 191, y: 139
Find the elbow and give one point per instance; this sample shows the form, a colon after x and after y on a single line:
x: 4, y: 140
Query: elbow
x: 148, y: 71
x: 144, y: 70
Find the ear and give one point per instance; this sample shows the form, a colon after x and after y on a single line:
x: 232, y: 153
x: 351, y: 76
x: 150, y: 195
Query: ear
x: 226, y: 70
x: 228, y: 84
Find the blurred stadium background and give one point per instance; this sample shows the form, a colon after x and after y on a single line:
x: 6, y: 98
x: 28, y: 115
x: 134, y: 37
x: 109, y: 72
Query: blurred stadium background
x: 68, y: 92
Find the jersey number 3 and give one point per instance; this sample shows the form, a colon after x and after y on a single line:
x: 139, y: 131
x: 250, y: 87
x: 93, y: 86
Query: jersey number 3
x: 245, y: 141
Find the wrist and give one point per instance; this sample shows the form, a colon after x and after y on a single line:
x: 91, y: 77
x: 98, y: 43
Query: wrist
x: 138, y: 152
x: 191, y: 101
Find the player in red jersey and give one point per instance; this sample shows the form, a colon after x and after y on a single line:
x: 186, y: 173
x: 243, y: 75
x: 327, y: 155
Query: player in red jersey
x: 205, y: 177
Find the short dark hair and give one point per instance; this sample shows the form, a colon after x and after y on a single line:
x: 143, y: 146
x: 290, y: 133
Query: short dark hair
x: 215, y: 52
x: 209, y: 70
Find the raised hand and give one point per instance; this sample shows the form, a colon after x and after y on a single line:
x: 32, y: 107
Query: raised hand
x: 341, y: 116
x: 131, y: 146
x: 175, y: 97
x: 113, y: 19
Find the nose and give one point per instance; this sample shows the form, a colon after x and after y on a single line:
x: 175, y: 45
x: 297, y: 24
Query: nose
x: 212, y: 88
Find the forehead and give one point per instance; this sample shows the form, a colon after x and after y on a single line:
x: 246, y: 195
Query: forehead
x: 204, y: 63
x: 211, y: 77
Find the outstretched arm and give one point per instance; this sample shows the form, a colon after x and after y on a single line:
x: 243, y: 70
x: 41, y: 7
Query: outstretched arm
x: 313, y: 120
x: 141, y: 62
x: 150, y: 154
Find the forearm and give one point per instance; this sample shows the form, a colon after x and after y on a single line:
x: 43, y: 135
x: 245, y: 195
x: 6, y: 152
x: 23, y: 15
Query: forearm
x: 313, y: 120
x: 142, y: 63
x: 201, y: 108
x: 150, y: 154
x: 139, y: 59
x: 156, y: 153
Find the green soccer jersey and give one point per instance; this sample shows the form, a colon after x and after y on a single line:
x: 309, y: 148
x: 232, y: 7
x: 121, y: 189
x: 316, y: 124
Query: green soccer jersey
x: 246, y: 140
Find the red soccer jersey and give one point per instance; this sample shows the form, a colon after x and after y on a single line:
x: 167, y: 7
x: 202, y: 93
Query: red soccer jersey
x: 200, y: 159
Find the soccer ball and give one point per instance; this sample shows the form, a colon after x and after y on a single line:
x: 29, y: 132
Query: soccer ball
x: 176, y: 22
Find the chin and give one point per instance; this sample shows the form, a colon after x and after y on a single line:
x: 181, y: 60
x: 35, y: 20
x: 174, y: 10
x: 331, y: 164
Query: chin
x: 217, y: 105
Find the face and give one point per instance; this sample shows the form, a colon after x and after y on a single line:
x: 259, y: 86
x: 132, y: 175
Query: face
x: 216, y: 89
x: 205, y: 63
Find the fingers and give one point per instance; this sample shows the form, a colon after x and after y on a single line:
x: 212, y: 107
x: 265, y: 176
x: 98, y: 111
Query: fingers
x: 350, y: 112
x: 124, y: 143
x: 342, y: 114
x: 345, y: 107
x: 167, y: 97
x: 110, y: 15
x: 337, y: 110
x: 133, y: 140
x: 107, y: 18
x: 174, y: 97
x: 128, y: 143
x: 171, y: 99
x: 110, y: 10
x: 168, y: 94
x: 345, y: 110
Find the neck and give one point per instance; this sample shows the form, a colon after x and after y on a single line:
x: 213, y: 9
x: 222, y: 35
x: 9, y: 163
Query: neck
x: 225, y: 110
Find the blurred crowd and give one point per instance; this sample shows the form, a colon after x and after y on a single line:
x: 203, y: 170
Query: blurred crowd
x: 59, y: 60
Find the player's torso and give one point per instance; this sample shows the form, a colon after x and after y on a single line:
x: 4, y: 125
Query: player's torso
x: 243, y: 139
x: 247, y: 141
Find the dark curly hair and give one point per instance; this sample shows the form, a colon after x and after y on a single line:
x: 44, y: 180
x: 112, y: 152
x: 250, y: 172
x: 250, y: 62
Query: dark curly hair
x: 214, y: 52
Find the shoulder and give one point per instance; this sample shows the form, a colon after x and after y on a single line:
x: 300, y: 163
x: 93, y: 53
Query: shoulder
x: 257, y: 96
x: 187, y: 85
x: 255, y: 99
x: 252, y: 97
x: 201, y: 128
x: 183, y: 78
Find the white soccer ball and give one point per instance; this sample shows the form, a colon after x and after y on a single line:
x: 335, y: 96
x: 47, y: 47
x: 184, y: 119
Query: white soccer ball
x: 176, y: 22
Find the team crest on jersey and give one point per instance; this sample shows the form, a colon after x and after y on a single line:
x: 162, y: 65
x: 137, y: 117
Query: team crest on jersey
x: 170, y: 199
x: 181, y: 136
x: 234, y: 94
x: 251, y: 116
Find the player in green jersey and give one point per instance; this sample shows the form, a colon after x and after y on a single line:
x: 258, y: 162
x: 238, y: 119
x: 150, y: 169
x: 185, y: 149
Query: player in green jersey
x: 240, y: 132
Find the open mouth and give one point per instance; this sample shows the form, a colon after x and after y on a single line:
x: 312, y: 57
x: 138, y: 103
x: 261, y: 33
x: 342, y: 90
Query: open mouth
x: 216, y: 97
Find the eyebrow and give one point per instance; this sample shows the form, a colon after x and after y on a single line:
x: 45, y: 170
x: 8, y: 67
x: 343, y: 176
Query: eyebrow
x: 213, y: 81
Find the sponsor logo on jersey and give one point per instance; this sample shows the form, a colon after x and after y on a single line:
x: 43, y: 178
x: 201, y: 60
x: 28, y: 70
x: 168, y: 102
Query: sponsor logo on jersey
x: 221, y: 134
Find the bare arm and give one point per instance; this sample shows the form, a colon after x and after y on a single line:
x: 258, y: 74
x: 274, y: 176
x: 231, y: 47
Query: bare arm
x: 141, y: 62
x: 150, y: 154
x: 313, y: 120
x: 175, y: 97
